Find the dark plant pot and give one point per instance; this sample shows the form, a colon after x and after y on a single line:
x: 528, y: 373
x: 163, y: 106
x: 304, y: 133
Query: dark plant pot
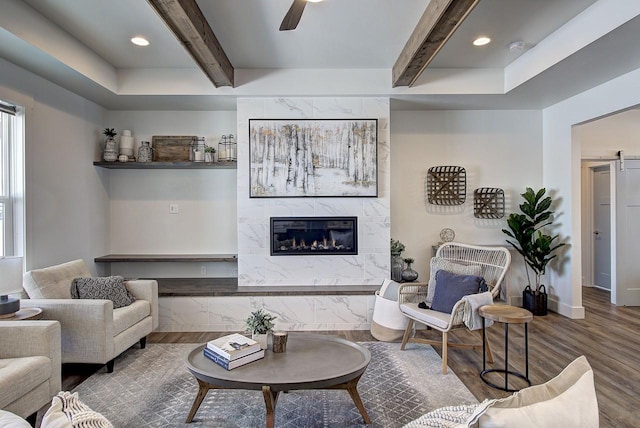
x: 535, y: 302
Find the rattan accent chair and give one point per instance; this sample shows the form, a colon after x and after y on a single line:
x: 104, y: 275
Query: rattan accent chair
x: 493, y: 263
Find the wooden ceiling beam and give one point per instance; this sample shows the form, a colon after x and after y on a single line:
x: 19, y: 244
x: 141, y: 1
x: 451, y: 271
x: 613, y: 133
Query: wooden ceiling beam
x: 186, y: 21
x: 438, y: 22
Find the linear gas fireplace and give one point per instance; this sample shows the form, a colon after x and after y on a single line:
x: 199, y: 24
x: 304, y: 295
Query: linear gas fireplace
x: 303, y: 236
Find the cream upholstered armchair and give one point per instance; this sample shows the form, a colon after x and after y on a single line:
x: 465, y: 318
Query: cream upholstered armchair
x: 491, y: 263
x: 29, y: 365
x: 92, y: 330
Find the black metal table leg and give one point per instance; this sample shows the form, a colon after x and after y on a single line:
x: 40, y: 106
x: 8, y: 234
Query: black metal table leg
x: 526, y: 352
x: 484, y: 345
x: 506, y: 355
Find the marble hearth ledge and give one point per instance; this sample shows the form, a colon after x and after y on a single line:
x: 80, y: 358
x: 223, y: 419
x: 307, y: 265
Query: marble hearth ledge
x: 219, y: 304
x: 293, y: 312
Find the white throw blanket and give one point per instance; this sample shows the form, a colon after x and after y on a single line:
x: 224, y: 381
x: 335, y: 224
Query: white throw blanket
x: 68, y: 411
x: 471, y: 317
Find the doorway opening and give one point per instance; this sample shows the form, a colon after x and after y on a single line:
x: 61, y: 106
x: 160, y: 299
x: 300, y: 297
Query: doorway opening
x: 597, y: 230
x: 610, y: 202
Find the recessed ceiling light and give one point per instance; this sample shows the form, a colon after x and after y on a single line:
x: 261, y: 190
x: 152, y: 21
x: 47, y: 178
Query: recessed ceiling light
x: 140, y: 41
x: 481, y: 41
x: 314, y: 1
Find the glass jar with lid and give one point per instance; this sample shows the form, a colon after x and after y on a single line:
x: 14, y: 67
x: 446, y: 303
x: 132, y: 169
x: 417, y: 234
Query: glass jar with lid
x: 196, y: 149
x: 227, y: 149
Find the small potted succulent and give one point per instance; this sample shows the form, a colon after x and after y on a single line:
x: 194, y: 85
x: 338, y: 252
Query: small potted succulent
x: 260, y: 324
x: 209, y: 153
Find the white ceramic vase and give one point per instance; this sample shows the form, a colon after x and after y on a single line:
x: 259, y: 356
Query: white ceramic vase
x: 126, y: 143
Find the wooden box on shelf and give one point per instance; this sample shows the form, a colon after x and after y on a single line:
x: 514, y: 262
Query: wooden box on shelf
x: 171, y: 148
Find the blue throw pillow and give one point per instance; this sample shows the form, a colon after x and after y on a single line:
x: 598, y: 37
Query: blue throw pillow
x: 452, y: 287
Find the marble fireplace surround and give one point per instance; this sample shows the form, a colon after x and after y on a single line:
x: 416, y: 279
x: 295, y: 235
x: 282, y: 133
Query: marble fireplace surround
x: 256, y: 266
x: 327, y: 292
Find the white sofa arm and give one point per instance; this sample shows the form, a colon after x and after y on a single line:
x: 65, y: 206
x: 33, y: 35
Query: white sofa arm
x: 146, y: 289
x: 30, y: 339
x: 87, y: 327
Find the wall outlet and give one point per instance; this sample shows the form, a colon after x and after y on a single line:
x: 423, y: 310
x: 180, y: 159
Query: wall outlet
x: 203, y: 270
x: 174, y: 208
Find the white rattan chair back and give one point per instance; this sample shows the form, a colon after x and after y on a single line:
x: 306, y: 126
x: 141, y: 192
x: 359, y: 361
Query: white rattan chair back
x: 493, y: 261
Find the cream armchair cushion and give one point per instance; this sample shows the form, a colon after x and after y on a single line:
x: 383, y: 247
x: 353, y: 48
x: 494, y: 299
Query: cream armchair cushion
x: 92, y: 331
x: 568, y: 401
x: 30, y: 369
x: 53, y: 282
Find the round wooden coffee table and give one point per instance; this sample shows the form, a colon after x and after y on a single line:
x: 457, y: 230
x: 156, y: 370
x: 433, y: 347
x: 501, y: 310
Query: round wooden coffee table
x: 507, y: 315
x: 312, y: 361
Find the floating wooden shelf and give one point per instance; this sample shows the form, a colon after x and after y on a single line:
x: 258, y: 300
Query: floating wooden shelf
x: 131, y: 258
x: 166, y: 165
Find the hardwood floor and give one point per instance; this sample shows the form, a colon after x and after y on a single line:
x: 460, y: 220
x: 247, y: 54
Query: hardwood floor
x: 608, y: 337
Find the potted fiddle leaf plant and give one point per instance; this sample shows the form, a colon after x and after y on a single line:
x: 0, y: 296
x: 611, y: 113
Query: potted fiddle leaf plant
x: 536, y: 247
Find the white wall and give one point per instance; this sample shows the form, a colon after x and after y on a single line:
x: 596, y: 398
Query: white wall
x: 255, y: 265
x: 497, y: 148
x: 140, y: 219
x: 561, y: 170
x: 67, y: 202
x: 606, y: 136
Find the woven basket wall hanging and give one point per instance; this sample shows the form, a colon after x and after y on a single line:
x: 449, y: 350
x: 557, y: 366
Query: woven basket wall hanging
x: 488, y: 202
x: 446, y: 185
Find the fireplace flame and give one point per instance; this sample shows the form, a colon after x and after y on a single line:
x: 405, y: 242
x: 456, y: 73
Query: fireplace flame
x: 293, y: 245
x: 302, y: 243
x: 333, y: 242
x: 315, y: 244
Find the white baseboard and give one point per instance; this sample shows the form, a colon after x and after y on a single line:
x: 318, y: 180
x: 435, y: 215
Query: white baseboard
x: 572, y: 312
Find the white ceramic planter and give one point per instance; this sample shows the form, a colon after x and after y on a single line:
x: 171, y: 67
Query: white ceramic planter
x: 262, y: 339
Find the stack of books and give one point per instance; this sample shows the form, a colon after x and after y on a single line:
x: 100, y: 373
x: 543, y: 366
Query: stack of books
x: 233, y: 350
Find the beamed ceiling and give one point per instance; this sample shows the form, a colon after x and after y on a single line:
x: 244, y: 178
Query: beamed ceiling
x: 206, y: 53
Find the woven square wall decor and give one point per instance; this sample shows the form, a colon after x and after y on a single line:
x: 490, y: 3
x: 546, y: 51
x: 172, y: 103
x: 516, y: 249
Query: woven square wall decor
x: 446, y: 185
x: 488, y: 202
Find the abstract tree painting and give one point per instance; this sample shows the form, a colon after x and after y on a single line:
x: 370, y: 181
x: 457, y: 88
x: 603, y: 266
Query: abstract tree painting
x: 313, y: 158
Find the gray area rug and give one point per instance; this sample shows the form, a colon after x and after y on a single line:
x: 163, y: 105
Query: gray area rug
x: 152, y: 388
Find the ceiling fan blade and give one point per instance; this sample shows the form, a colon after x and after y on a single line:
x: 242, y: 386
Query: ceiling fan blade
x: 291, y: 19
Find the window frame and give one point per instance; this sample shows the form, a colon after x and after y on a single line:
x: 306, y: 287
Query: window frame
x: 12, y: 180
